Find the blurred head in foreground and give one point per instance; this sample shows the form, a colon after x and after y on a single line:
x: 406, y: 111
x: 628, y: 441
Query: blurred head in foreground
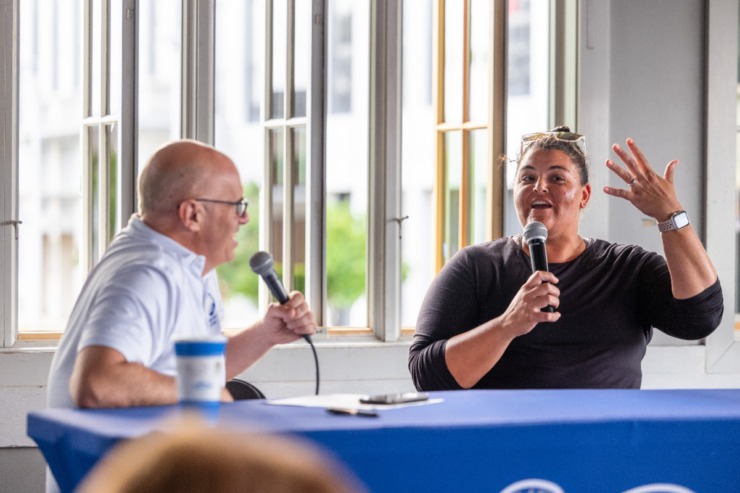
x: 197, y: 459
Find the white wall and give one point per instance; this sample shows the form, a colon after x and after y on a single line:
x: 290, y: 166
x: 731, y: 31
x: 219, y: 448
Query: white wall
x: 642, y: 69
x: 643, y: 74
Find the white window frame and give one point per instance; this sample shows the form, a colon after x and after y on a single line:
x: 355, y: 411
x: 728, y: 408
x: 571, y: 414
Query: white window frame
x: 9, y: 223
x: 384, y: 243
x: 722, y: 347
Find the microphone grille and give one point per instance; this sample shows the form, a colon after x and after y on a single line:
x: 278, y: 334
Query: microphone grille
x: 261, y: 263
x: 535, y: 231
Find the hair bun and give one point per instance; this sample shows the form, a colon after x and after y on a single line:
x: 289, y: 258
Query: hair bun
x: 561, y: 128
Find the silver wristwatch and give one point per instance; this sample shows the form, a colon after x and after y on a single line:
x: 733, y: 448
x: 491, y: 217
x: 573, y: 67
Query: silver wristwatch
x: 677, y: 221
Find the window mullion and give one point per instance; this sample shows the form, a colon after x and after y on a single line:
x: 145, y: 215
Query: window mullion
x: 438, y: 84
x: 288, y: 213
x: 564, y: 64
x: 87, y: 258
x: 497, y: 119
x: 315, y: 285
x: 266, y: 230
x: 102, y: 145
x: 9, y: 224
x: 103, y: 188
x: 384, y: 244
x: 129, y: 111
x: 198, y: 70
x: 464, y: 197
x: 288, y: 150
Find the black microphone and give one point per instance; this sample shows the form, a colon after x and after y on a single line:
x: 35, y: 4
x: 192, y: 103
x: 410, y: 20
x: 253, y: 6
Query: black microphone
x: 262, y: 265
x: 535, y: 234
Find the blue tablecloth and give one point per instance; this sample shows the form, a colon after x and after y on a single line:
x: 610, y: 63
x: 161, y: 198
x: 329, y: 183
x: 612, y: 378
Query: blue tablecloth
x: 577, y: 440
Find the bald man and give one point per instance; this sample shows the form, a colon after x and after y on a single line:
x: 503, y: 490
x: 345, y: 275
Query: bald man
x: 156, y: 282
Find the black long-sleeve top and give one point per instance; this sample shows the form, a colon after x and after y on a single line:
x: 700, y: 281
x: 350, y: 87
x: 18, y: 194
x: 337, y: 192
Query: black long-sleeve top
x: 611, y: 296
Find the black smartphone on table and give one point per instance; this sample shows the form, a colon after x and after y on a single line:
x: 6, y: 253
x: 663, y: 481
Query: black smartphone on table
x: 396, y: 398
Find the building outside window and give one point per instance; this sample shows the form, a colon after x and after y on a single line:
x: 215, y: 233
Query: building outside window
x: 76, y: 172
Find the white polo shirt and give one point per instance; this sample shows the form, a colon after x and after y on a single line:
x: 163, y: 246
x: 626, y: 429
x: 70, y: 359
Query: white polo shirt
x: 145, y: 291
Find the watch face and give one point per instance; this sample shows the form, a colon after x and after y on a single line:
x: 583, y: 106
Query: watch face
x: 681, y: 219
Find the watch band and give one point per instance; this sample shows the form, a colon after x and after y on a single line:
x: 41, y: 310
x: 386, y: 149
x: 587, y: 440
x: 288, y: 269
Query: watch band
x: 671, y: 224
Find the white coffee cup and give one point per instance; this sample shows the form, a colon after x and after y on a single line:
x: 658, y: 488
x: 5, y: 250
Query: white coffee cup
x: 201, y: 371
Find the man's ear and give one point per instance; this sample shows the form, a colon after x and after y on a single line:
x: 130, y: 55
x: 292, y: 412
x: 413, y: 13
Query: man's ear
x: 190, y: 213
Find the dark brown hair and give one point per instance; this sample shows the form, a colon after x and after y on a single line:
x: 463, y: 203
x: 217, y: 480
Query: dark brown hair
x: 552, y: 143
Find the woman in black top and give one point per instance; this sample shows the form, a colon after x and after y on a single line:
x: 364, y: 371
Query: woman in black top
x: 482, y: 326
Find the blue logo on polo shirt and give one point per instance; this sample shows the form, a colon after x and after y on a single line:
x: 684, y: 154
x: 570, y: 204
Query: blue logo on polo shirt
x: 211, y: 310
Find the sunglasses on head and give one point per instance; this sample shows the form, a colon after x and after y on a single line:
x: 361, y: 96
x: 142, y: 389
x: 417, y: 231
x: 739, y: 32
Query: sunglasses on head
x: 570, y: 137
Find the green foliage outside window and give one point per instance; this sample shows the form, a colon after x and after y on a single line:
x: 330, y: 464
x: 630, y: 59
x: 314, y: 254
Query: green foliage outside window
x: 346, y: 246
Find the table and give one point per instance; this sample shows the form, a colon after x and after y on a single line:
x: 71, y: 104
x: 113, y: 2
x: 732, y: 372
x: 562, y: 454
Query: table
x: 569, y: 440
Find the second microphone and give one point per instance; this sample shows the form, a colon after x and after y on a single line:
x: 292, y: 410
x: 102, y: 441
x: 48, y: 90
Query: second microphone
x: 535, y: 234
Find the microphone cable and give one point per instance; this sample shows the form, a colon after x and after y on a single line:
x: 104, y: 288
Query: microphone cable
x: 315, y: 360
x: 261, y: 264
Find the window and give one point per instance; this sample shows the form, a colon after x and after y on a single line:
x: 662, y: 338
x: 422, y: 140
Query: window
x: 76, y: 179
x: 71, y: 186
x: 49, y: 198
x: 464, y: 127
x: 77, y: 165
x: 454, y: 191
x: 278, y: 163
x: 357, y: 211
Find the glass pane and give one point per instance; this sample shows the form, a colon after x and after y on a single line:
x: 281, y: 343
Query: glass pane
x: 49, y: 171
x: 478, y: 176
x: 453, y: 61
x: 279, y: 57
x: 339, y: 80
x: 114, y: 202
x: 480, y: 14
x: 240, y: 39
x: 302, y: 56
x: 95, y: 60
x: 527, y: 99
x: 298, y: 229
x: 159, y: 75
x: 92, y: 163
x: 116, y: 57
x: 275, y: 157
x: 347, y: 166
x: 418, y: 144
x: 453, y: 177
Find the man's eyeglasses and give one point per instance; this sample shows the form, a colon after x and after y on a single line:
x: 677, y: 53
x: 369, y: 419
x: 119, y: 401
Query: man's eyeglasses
x: 241, y: 205
x: 570, y: 137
